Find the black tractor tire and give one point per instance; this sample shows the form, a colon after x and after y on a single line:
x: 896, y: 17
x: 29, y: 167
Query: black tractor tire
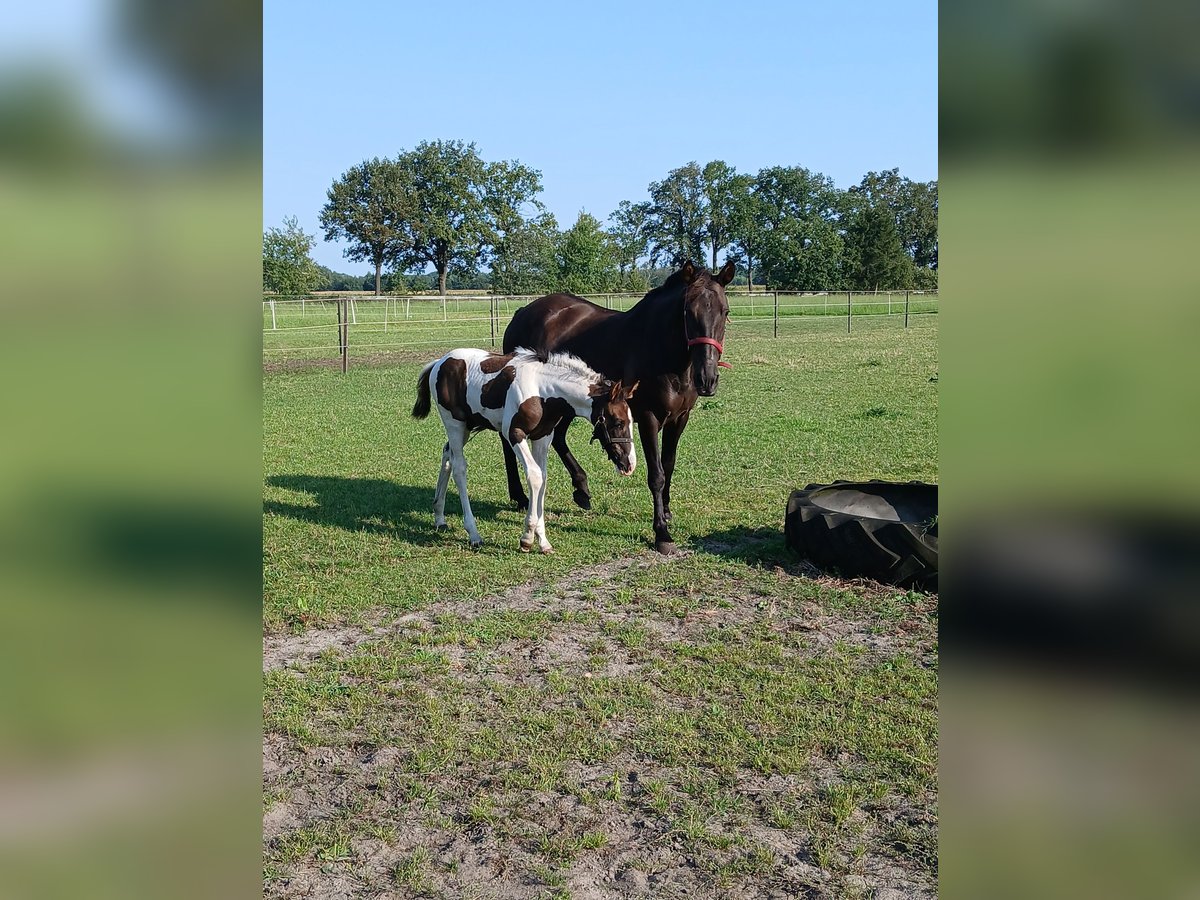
x: 882, y: 530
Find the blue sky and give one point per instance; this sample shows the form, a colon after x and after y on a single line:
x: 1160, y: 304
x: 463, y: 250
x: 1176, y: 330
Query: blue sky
x: 602, y: 98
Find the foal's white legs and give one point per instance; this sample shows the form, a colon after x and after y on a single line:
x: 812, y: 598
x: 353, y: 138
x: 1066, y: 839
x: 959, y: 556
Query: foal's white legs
x: 439, y: 496
x: 454, y: 462
x: 533, y: 460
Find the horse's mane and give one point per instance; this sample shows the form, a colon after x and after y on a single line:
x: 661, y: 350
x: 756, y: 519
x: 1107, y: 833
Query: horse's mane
x: 570, y: 366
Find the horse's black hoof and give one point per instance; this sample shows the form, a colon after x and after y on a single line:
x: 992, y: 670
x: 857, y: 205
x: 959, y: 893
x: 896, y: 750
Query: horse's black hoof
x: 442, y: 527
x: 521, y: 505
x: 477, y: 545
x: 582, y: 499
x: 666, y: 548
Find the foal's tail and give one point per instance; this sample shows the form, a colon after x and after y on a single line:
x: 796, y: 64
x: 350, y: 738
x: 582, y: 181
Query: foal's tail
x: 421, y: 407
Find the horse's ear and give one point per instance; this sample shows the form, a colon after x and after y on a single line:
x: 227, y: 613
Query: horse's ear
x: 615, y: 391
x: 629, y: 393
x: 688, y: 272
x: 725, y: 275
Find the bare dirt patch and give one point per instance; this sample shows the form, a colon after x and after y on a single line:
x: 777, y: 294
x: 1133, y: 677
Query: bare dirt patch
x: 567, y: 740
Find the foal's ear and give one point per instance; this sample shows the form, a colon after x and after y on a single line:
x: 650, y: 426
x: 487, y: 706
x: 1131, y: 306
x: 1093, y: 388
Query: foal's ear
x: 725, y: 275
x: 688, y: 272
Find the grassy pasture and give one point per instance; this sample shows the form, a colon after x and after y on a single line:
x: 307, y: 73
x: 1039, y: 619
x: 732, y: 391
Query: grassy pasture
x: 725, y: 723
x: 308, y: 329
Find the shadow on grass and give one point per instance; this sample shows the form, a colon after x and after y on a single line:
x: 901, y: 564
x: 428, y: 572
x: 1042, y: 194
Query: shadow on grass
x: 761, y: 547
x: 371, y: 504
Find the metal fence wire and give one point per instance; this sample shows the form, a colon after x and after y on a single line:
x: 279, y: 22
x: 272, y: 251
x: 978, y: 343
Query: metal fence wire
x: 325, y: 328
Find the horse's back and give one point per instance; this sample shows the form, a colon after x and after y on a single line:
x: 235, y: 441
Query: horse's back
x: 549, y: 322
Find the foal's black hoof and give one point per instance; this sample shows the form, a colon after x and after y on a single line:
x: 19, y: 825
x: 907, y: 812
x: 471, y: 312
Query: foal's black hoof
x: 582, y: 499
x: 521, y: 505
x: 666, y: 548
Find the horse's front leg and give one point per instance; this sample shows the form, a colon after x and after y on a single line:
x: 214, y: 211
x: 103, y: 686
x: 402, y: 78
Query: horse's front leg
x: 516, y: 493
x: 582, y: 496
x: 671, y: 433
x: 656, y: 479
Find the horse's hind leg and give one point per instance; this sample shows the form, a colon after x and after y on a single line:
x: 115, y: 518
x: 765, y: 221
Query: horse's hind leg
x: 516, y: 493
x: 582, y: 496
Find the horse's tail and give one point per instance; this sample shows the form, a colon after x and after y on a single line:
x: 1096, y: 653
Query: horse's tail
x: 422, y: 406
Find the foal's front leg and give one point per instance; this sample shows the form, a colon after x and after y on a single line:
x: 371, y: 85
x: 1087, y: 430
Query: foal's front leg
x: 535, y: 473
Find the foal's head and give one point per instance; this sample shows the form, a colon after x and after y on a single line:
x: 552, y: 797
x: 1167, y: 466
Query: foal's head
x: 705, y: 312
x: 612, y: 423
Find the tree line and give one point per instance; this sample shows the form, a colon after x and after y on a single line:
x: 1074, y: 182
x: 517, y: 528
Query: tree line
x: 440, y: 217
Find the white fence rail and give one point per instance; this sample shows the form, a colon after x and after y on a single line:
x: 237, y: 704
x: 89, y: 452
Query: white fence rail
x: 320, y: 328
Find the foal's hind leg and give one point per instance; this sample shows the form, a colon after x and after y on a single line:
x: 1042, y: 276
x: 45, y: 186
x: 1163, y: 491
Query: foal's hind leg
x: 582, y: 496
x: 439, y: 496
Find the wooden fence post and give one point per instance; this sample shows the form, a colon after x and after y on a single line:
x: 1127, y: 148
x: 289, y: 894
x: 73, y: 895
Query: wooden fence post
x: 906, y: 309
x: 776, y: 313
x: 849, y: 312
x: 273, y: 314
x: 492, y: 318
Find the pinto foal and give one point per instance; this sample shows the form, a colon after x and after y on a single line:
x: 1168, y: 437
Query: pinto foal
x: 524, y: 397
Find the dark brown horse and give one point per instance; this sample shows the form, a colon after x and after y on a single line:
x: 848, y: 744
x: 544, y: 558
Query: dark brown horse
x: 670, y: 342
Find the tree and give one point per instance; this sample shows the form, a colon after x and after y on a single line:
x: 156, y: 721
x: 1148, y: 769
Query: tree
x: 526, y: 260
x: 694, y: 208
x: 586, y: 263
x: 913, y: 204
x: 456, y: 208
x: 795, y: 228
x: 287, y: 267
x: 724, y: 190
x: 677, y: 223
x: 364, y: 208
x: 875, y: 258
x: 629, y: 238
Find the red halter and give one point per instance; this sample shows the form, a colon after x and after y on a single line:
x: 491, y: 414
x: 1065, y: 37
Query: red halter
x: 715, y: 343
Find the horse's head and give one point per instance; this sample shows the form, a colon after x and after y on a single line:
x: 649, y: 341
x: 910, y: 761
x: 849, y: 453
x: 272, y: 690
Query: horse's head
x: 705, y: 312
x: 612, y: 423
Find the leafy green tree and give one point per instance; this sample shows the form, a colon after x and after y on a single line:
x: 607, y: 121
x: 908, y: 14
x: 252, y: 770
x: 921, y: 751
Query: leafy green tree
x: 677, y: 221
x: 526, y: 260
x: 695, y: 209
x: 586, y: 262
x: 724, y: 193
x: 287, y: 267
x: 914, y: 206
x: 456, y: 208
x: 875, y: 258
x: 364, y: 208
x: 629, y: 238
x: 795, y: 228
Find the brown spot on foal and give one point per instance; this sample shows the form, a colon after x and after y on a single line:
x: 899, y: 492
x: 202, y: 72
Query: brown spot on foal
x: 495, y: 392
x: 536, y: 418
x: 495, y: 362
x: 452, y: 389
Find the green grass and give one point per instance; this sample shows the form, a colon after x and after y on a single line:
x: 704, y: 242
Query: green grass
x: 350, y: 475
x: 719, y: 708
x: 308, y: 329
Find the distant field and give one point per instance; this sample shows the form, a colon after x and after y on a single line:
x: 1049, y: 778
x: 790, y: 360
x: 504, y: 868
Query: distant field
x: 725, y: 723
x: 308, y: 329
